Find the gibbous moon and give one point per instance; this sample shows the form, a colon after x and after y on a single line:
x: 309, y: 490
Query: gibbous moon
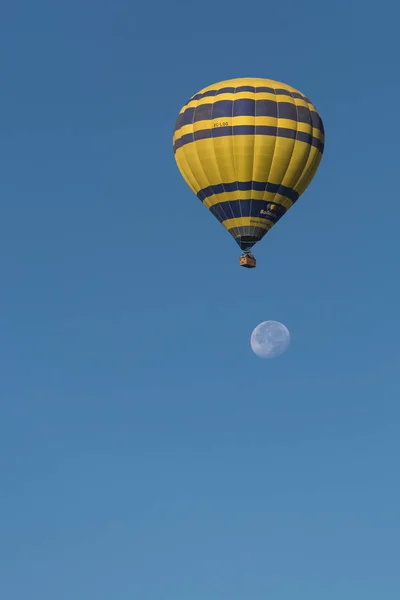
x: 270, y: 339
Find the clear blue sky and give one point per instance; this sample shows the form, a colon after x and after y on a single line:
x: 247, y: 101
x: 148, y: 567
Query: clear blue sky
x: 145, y: 452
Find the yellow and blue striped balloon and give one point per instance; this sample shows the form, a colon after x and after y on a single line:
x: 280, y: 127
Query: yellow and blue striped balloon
x: 248, y: 148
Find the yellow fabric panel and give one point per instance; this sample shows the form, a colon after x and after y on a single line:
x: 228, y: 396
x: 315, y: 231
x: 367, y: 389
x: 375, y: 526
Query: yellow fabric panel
x: 248, y: 222
x: 246, y: 158
x: 239, y: 81
x: 196, y: 161
x: 230, y: 148
x: 223, y: 152
x: 264, y: 149
x: 243, y: 156
x: 296, y: 165
x: 309, y: 171
x: 187, y: 173
x: 280, y: 159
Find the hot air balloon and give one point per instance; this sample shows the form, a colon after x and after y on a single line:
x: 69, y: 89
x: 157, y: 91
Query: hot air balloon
x: 248, y: 148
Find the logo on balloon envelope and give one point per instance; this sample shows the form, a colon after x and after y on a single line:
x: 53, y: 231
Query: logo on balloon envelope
x: 273, y: 210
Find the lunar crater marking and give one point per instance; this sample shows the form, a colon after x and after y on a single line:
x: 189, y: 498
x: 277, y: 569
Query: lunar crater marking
x: 270, y: 339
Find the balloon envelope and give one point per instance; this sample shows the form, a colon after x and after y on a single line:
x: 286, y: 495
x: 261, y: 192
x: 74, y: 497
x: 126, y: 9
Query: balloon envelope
x: 248, y: 148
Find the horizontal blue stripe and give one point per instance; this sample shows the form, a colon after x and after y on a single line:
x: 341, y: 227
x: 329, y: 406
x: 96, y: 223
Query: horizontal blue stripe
x: 248, y: 88
x: 248, y: 130
x: 235, y: 209
x: 247, y: 107
x: 259, y: 186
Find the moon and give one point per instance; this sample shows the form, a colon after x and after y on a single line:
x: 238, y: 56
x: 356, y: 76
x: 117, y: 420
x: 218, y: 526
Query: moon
x: 270, y: 339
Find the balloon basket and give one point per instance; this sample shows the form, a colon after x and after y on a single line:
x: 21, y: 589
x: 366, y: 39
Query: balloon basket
x: 247, y: 261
